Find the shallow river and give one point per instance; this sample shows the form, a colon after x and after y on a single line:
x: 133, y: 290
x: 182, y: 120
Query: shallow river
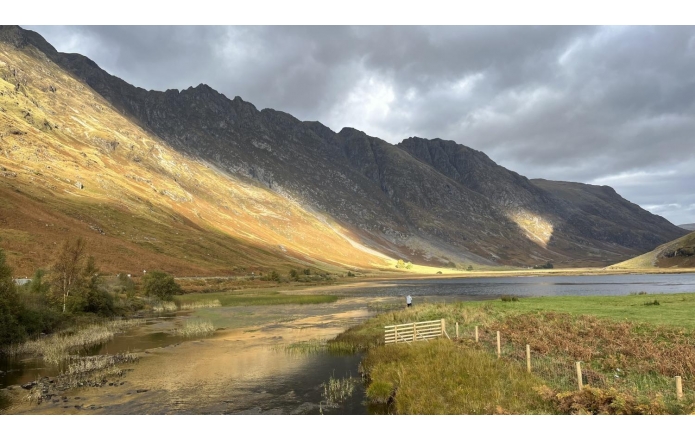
x: 244, y: 368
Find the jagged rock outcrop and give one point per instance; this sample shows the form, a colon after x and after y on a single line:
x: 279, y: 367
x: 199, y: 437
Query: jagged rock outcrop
x: 429, y: 201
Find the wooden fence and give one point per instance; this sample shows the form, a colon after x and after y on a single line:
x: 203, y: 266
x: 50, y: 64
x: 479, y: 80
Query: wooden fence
x: 415, y: 331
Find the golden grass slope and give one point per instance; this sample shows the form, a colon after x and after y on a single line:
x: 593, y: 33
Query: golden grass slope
x: 679, y: 253
x: 72, y: 165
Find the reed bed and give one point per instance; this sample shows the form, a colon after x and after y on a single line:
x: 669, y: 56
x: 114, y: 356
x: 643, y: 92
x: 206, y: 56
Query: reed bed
x: 195, y: 328
x: 56, y: 348
x: 316, y: 346
x: 200, y: 304
x: 164, y: 307
x: 337, y: 390
x: 81, y: 371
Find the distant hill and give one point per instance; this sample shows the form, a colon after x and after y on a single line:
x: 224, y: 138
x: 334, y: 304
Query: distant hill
x: 196, y: 183
x: 687, y: 226
x: 679, y: 253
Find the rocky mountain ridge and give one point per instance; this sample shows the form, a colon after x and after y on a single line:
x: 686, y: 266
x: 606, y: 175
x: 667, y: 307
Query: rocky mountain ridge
x: 432, y: 202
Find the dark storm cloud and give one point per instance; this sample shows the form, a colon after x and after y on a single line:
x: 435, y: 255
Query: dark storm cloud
x: 606, y: 105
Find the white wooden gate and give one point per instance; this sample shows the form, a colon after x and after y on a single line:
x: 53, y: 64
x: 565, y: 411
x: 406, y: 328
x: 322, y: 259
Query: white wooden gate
x: 415, y: 331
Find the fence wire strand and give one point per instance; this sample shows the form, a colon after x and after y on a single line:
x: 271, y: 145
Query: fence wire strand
x: 559, y: 372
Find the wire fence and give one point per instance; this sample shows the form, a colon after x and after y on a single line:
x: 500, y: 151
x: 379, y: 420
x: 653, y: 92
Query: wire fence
x: 561, y: 373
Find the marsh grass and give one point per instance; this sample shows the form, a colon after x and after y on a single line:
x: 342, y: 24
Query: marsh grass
x: 337, y: 390
x: 232, y: 299
x: 313, y: 346
x: 195, y: 305
x: 55, y: 349
x: 195, y: 328
x: 162, y: 307
x: 81, y: 371
x: 317, y: 346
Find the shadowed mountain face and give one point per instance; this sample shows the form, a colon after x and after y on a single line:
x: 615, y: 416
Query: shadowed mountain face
x: 428, y: 201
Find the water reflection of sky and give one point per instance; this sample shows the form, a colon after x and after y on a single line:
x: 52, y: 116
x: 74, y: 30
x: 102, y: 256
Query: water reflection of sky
x: 487, y: 288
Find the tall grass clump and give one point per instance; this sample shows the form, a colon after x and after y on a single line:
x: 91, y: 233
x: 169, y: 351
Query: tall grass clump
x: 195, y: 328
x: 441, y: 377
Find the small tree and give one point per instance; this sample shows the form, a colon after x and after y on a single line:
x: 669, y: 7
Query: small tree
x: 294, y: 275
x: 470, y: 268
x: 38, y: 284
x: 10, y: 307
x: 95, y: 298
x: 67, y: 269
x: 160, y: 285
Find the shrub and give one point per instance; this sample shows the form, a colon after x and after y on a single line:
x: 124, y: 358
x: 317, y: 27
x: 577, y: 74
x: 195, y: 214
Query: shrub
x: 350, y: 274
x: 507, y: 298
x: 470, y: 268
x: 160, y: 285
x: 547, y: 265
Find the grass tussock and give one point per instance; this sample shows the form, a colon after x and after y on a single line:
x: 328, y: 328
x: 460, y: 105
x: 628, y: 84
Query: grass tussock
x: 195, y: 328
x: 440, y: 377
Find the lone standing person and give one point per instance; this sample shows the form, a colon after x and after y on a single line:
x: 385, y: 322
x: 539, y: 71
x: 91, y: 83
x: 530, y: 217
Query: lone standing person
x: 409, y: 301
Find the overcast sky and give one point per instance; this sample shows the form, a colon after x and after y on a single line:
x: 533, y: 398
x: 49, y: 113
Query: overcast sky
x: 599, y: 105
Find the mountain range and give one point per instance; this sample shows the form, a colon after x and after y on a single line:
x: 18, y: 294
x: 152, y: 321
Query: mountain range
x: 195, y: 183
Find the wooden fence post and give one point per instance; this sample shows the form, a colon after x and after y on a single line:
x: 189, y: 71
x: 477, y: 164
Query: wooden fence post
x: 395, y: 334
x: 499, y: 346
x: 679, y: 388
x: 414, y: 332
x: 580, y: 383
x: 476, y: 333
x: 443, y: 326
x: 528, y: 358
x: 457, y: 330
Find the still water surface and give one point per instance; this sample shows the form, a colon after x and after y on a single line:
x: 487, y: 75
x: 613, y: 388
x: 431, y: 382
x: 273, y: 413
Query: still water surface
x: 457, y: 289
